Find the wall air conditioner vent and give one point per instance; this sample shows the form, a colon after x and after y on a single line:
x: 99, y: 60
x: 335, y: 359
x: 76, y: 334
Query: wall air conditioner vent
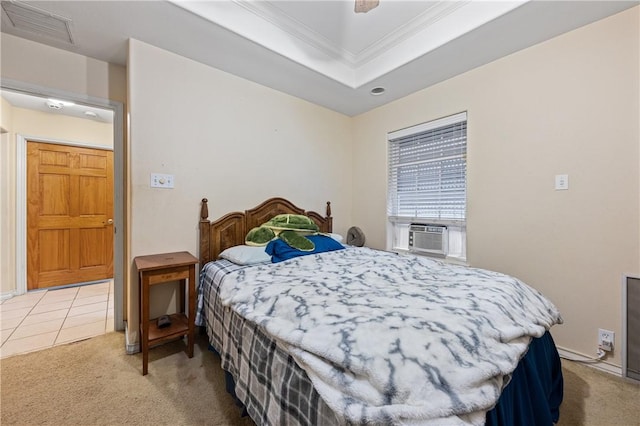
x: 428, y: 239
x: 34, y: 20
x: 631, y: 328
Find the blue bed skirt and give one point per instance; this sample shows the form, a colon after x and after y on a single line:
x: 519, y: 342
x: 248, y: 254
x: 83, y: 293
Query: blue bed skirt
x: 532, y: 397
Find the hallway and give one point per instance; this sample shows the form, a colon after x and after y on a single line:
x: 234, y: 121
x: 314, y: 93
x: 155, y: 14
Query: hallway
x: 42, y: 319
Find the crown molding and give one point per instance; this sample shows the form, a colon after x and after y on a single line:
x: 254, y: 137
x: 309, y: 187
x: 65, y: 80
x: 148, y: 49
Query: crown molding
x: 293, y: 27
x: 412, y: 28
x: 265, y: 24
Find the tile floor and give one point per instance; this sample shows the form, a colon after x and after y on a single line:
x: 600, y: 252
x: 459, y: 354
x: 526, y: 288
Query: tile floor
x: 42, y: 319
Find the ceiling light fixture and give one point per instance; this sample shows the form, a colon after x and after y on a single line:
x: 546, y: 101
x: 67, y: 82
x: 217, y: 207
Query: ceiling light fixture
x: 59, y: 102
x: 363, y: 6
x: 53, y: 105
x: 377, y: 91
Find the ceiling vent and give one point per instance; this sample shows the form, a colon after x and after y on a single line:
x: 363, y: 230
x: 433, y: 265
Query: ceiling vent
x: 28, y: 18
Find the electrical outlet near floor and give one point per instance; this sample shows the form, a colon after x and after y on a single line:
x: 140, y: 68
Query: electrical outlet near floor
x: 605, y: 339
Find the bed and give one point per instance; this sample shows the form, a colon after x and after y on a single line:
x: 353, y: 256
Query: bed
x: 361, y: 336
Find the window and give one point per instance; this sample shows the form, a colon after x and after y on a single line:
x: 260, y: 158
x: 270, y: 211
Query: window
x: 428, y: 181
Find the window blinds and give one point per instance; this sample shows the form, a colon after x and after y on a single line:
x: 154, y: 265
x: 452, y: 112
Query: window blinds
x: 428, y: 170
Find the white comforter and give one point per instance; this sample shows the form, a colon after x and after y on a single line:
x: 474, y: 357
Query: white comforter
x: 388, y: 338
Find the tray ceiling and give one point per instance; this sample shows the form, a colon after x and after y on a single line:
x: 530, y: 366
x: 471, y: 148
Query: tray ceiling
x: 320, y: 51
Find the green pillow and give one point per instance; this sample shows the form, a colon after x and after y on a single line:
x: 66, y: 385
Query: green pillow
x: 292, y: 222
x: 290, y: 228
x: 297, y: 241
x: 259, y: 236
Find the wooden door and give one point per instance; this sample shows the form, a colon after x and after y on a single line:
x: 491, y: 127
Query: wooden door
x: 69, y: 215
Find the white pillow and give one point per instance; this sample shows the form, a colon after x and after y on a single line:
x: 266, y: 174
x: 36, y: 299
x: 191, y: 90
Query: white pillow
x: 336, y: 237
x: 245, y: 255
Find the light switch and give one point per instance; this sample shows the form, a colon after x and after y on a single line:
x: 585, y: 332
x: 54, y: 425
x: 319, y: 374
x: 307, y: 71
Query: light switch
x: 161, y: 181
x: 562, y: 182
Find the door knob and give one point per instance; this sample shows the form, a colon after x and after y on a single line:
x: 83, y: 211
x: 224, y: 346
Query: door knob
x: 110, y: 222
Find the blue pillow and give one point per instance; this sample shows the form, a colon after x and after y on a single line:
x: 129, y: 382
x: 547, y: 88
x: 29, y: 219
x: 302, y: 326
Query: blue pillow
x: 279, y: 250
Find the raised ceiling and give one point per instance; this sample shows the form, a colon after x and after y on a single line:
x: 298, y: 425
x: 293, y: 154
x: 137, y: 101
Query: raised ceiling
x: 320, y: 51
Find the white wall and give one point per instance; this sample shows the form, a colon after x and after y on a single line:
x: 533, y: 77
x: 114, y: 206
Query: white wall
x: 569, y: 105
x: 227, y: 139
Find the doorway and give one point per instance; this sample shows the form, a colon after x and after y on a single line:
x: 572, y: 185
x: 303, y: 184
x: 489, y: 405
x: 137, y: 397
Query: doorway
x: 117, y: 126
x: 69, y: 214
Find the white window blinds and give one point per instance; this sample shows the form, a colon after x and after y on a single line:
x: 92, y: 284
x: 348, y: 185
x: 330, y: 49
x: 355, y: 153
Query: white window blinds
x: 428, y: 170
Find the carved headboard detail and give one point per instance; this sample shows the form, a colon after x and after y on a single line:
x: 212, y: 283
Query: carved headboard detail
x: 231, y: 229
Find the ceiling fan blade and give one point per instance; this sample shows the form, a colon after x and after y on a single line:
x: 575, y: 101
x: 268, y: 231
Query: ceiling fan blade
x: 363, y: 6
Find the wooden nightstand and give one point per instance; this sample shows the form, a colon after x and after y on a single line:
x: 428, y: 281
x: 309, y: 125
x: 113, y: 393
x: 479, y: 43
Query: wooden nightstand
x: 157, y: 269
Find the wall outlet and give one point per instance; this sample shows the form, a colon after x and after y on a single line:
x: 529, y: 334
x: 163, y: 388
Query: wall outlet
x: 562, y: 182
x: 605, y: 339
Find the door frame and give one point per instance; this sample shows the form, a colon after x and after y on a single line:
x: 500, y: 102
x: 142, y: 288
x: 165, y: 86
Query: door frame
x: 118, y: 184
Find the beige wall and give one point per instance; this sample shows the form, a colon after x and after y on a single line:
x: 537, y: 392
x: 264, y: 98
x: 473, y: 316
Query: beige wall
x: 5, y: 115
x: 44, y: 66
x: 224, y: 138
x: 7, y: 202
x: 566, y: 106
x: 62, y: 128
x: 569, y: 105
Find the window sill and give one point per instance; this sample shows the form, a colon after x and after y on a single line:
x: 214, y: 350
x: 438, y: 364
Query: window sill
x: 448, y: 259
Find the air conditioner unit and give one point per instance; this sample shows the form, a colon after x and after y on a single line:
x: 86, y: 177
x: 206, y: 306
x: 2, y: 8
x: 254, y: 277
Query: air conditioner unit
x: 429, y: 239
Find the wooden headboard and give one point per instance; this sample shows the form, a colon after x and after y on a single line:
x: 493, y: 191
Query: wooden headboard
x: 231, y: 229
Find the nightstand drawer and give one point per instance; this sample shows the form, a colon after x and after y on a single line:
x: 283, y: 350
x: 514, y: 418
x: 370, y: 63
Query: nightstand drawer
x: 171, y: 274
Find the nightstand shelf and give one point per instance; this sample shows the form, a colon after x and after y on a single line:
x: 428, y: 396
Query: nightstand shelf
x: 157, y: 269
x: 179, y: 327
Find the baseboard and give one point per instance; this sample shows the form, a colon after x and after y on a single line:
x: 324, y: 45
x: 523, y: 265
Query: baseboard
x: 603, y: 365
x: 8, y: 295
x: 130, y: 347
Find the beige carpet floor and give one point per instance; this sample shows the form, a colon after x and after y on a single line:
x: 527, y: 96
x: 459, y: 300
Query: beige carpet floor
x: 595, y: 398
x: 94, y: 382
